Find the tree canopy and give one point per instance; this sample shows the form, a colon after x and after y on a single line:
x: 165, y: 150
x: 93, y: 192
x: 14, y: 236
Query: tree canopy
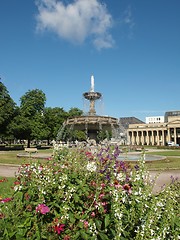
x: 7, y: 109
x: 32, y: 120
x: 29, y: 124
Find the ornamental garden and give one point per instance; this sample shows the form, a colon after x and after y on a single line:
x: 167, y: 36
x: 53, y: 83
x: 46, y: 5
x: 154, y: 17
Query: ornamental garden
x: 85, y: 193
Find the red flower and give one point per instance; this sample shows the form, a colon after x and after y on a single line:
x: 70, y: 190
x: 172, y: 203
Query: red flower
x: 127, y: 188
x: 59, y: 228
x: 26, y: 195
x: 42, y: 208
x: 2, y: 215
x: 3, y: 180
x: 16, y: 183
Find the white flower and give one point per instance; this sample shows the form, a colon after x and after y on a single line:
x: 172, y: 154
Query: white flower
x: 91, y: 166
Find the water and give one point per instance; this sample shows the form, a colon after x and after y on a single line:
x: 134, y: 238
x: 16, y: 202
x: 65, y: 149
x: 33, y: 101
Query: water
x: 136, y: 157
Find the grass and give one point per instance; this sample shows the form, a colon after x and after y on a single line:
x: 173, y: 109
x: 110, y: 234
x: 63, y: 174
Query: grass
x: 10, y: 157
x: 172, y: 160
x: 167, y: 164
x: 6, y: 185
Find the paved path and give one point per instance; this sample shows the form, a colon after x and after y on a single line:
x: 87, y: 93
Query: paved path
x: 164, y: 177
x: 7, y: 170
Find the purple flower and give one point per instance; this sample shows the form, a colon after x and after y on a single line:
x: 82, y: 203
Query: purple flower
x: 136, y: 167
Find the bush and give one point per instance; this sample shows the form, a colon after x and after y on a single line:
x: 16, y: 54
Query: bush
x: 88, y: 195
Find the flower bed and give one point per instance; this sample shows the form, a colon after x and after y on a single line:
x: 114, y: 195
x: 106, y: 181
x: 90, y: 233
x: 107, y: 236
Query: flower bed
x: 88, y: 195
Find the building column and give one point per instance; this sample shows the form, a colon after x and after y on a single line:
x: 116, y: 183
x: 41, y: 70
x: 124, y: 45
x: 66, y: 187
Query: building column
x: 133, y: 137
x: 153, y: 136
x: 163, y: 140
x: 147, y: 140
x: 168, y: 135
x: 175, y: 136
x: 137, y: 138
x: 158, y: 142
x: 143, y: 138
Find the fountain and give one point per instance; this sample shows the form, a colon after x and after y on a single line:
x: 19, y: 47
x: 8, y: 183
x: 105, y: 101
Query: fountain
x: 92, y: 123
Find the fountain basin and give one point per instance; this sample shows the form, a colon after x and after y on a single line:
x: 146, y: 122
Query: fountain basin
x: 136, y: 157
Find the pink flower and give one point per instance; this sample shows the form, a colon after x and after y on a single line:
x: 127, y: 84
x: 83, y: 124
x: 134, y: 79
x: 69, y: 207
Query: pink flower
x: 103, y: 185
x: 101, y: 195
x: 104, y: 203
x: 93, y: 214
x: 42, y: 208
x: 6, y: 200
x: 59, y: 228
x: 86, y: 224
x: 66, y: 237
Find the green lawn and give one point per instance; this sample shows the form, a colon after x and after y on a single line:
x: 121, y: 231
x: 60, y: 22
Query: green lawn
x: 10, y: 157
x: 165, y: 153
x: 168, y: 163
x: 6, y: 185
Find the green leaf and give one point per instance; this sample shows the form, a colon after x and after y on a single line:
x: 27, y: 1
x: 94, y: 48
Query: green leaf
x: 107, y: 221
x: 76, y: 198
x: 76, y: 236
x: 98, y: 224
x: 103, y: 236
x: 71, y: 218
x: 80, y: 225
x: 84, y: 235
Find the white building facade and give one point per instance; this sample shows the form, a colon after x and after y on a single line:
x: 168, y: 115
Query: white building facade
x: 159, y: 119
x: 156, y: 133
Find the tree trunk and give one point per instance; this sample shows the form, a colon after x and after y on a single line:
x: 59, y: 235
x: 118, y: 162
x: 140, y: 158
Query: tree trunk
x: 28, y: 143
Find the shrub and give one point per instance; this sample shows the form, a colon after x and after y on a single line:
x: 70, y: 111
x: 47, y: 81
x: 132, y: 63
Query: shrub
x: 84, y: 194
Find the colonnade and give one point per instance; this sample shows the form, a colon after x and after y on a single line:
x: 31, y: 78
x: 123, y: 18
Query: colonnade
x: 153, y: 136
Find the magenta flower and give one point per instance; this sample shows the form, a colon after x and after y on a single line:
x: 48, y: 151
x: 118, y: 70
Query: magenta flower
x: 6, y: 200
x: 42, y: 208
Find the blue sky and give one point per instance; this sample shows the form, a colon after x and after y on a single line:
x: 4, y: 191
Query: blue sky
x: 132, y: 47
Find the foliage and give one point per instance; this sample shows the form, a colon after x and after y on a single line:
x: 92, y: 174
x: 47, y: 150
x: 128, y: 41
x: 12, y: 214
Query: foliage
x: 74, y: 112
x: 32, y: 121
x: 7, y: 109
x: 88, y: 194
x: 29, y: 123
x: 104, y: 134
x: 79, y: 135
x: 54, y: 118
x: 32, y: 102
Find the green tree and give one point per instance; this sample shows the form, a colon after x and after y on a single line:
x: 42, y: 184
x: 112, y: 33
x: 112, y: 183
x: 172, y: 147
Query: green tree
x: 73, y: 112
x: 54, y: 118
x: 29, y: 123
x: 104, y: 134
x: 79, y: 135
x: 7, y: 110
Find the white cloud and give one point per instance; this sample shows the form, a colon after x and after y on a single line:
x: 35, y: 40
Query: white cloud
x: 128, y: 21
x: 76, y: 21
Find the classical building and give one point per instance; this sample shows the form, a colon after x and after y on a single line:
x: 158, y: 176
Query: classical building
x: 156, y: 133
